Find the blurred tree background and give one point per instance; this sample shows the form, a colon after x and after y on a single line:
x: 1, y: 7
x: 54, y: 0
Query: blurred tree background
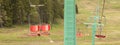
x: 15, y: 12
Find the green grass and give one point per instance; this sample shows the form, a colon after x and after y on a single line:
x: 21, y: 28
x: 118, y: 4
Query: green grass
x: 20, y: 37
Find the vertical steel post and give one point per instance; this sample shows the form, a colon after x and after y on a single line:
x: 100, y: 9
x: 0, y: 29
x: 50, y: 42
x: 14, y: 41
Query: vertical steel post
x: 69, y: 22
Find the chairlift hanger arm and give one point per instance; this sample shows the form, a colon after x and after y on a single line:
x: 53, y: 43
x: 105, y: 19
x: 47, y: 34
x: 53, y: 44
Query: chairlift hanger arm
x: 35, y: 5
x: 103, y: 17
x: 103, y: 8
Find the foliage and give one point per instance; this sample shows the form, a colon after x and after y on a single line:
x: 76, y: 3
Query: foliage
x: 14, y: 12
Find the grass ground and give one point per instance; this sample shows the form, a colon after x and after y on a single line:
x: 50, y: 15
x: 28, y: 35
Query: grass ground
x: 17, y: 35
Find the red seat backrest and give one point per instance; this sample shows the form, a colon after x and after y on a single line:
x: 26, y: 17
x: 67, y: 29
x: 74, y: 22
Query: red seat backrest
x: 45, y: 27
x: 33, y: 28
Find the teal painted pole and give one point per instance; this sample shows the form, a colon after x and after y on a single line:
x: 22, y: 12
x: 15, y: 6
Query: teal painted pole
x: 69, y: 22
x: 94, y: 28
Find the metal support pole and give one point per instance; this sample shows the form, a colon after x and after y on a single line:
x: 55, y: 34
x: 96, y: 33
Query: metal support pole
x: 69, y: 22
x: 94, y: 28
